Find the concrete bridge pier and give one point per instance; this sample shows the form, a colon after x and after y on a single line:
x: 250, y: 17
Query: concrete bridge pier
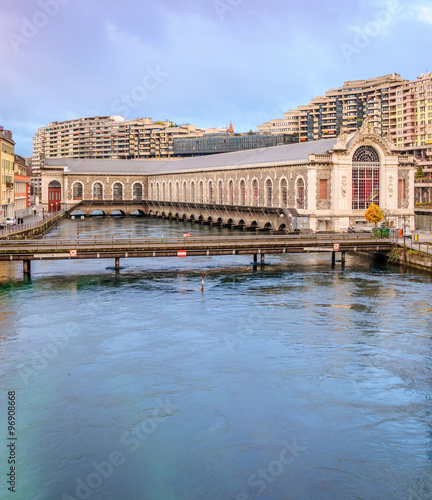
x: 27, y: 267
x: 255, y: 257
x: 343, y: 258
x: 333, y: 258
x: 117, y: 264
x: 262, y: 259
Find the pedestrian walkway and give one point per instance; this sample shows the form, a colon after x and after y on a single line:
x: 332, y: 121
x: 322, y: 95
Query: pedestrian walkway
x: 30, y: 222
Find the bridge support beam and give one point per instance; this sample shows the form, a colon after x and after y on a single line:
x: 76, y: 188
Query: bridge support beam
x: 333, y: 258
x: 255, y: 257
x: 343, y: 258
x: 262, y: 259
x: 117, y: 264
x: 27, y: 267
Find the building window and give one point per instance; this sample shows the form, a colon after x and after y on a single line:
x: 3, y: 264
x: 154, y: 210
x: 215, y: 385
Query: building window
x: 177, y: 191
x: 201, y: 192
x: 184, y: 191
x: 231, y: 192
x: 365, y: 178
x: 323, y: 189
x: 157, y: 191
x: 211, y: 192
x: 221, y: 192
x: 152, y: 190
x: 97, y: 191
x: 255, y: 193
x: 117, y: 191
x: 137, y: 192
x: 284, y: 192
x: 269, y: 193
x: 170, y: 191
x: 77, y: 191
x: 243, y: 192
x: 163, y: 191
x: 193, y: 192
x: 300, y: 194
x: 401, y: 190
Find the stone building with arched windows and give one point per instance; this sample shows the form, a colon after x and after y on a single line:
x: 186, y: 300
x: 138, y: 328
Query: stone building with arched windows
x: 324, y: 185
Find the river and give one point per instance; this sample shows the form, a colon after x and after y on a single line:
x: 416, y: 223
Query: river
x: 291, y: 381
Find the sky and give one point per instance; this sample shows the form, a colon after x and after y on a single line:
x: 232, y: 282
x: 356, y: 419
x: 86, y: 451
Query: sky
x: 204, y: 62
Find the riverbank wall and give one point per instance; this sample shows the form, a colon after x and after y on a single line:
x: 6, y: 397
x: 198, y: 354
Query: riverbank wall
x: 35, y: 231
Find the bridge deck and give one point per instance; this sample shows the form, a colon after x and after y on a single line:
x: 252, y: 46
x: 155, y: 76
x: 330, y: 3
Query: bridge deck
x: 91, y: 248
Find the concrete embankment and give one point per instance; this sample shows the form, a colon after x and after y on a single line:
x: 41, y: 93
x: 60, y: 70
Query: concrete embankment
x: 37, y: 230
x: 411, y: 258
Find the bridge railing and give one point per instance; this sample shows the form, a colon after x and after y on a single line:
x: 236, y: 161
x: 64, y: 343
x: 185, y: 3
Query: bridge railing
x: 18, y: 228
x: 180, y: 241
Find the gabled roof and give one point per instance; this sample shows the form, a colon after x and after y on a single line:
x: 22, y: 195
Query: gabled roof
x: 277, y: 155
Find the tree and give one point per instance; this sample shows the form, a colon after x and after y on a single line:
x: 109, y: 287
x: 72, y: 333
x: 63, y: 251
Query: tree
x: 374, y: 214
x: 419, y: 174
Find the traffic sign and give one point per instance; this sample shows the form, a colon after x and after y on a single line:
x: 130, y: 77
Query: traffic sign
x: 72, y: 253
x: 186, y: 235
x: 336, y: 247
x: 181, y: 253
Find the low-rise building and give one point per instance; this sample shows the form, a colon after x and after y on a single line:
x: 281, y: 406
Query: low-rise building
x: 7, y: 147
x: 22, y: 203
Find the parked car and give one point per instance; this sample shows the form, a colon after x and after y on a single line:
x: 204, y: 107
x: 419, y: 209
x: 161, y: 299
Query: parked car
x: 10, y: 221
x: 407, y: 233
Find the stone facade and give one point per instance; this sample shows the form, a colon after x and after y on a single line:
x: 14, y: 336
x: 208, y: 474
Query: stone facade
x: 319, y: 190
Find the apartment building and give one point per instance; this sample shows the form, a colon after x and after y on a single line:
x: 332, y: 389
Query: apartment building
x: 104, y: 137
x: 7, y: 147
x: 340, y: 109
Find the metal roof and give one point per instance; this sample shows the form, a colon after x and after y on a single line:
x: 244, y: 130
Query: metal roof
x: 248, y: 158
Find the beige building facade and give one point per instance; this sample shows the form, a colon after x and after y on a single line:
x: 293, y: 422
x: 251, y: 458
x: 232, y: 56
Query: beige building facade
x: 326, y: 185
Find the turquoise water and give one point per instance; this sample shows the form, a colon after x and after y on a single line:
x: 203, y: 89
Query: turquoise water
x: 288, y: 382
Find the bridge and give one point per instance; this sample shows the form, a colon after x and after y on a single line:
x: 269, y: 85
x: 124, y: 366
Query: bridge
x: 232, y: 216
x: 247, y: 244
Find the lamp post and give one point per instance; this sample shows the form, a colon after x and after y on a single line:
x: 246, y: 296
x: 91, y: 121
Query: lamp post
x: 404, y: 238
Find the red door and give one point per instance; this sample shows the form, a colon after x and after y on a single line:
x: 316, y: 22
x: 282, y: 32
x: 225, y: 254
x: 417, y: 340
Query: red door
x: 54, y: 199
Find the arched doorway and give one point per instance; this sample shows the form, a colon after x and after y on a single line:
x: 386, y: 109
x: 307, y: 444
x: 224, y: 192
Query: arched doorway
x: 54, y: 196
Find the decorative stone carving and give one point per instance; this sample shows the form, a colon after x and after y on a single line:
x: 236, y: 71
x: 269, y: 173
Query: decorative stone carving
x: 341, y: 144
x: 391, y: 186
x: 344, y: 185
x: 367, y: 127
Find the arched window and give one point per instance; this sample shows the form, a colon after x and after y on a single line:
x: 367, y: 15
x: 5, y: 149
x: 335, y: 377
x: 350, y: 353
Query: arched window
x: 137, y: 193
x: 97, y: 191
x: 255, y: 193
x: 77, y: 191
x: 184, y: 191
x: 284, y: 192
x: 157, y: 191
x: 221, y: 192
x: 269, y: 193
x: 365, y: 178
x: 177, y: 191
x: 201, y: 192
x: 193, y: 192
x: 300, y: 194
x: 211, y: 192
x: 152, y: 191
x: 117, y: 191
x: 163, y: 191
x: 170, y: 191
x: 231, y: 192
x: 243, y: 192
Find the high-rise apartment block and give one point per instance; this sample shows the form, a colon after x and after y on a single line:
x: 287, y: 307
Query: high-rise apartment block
x: 104, y: 137
x: 340, y: 109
